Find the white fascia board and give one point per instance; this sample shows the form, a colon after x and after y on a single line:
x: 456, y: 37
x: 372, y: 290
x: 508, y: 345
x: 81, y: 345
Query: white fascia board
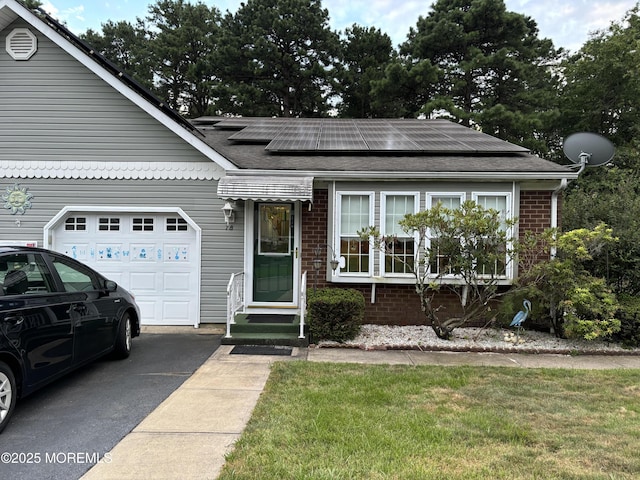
x: 119, y: 86
x: 373, y: 175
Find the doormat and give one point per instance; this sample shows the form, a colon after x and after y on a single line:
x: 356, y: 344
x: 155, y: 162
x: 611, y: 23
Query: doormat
x: 261, y: 350
x: 270, y: 318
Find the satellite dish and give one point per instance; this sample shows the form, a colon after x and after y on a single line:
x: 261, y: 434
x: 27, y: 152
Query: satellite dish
x: 588, y: 149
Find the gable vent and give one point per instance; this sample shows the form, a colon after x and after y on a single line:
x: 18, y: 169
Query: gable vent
x: 21, y: 44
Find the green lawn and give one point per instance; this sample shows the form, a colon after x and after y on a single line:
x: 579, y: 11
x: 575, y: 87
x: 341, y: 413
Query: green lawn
x: 340, y: 421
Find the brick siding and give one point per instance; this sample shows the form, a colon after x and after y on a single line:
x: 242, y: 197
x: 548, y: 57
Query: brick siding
x: 399, y: 304
x: 535, y: 211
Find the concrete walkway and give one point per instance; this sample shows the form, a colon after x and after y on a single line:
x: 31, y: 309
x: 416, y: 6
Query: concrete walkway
x: 189, y: 434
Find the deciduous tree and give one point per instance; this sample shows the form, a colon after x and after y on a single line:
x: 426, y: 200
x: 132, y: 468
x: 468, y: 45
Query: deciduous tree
x: 602, y: 84
x: 601, y: 95
x: 465, y: 250
x: 563, y: 291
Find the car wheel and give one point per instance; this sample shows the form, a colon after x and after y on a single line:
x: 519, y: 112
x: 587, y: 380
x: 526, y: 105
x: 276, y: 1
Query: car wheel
x: 7, y: 394
x: 123, y: 341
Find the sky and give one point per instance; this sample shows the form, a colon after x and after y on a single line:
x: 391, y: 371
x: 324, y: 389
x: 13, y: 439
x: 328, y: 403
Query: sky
x: 568, y: 23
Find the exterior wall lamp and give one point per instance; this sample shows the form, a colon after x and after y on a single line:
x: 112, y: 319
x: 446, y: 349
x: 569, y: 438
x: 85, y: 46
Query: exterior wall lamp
x: 317, y: 262
x: 229, y: 212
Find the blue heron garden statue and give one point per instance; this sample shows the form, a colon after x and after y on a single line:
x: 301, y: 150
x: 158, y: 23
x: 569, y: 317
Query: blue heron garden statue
x: 520, y: 317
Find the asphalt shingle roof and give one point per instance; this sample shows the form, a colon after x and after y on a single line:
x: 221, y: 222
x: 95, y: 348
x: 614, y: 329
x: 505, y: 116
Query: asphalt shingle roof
x: 473, y: 151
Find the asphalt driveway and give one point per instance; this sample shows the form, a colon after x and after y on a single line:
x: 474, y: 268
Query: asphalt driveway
x: 65, y: 428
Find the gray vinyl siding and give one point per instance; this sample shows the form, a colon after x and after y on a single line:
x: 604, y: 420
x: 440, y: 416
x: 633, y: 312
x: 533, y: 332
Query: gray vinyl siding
x: 63, y: 111
x: 53, y: 108
x: 222, y: 250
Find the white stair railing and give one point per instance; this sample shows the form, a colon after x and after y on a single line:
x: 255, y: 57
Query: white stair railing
x: 303, y: 302
x: 235, y: 299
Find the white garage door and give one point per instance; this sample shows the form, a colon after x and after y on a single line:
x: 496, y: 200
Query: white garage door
x: 154, y: 256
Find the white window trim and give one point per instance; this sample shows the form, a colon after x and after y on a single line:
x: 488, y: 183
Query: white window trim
x: 508, y: 215
x: 508, y: 195
x: 142, y: 225
x: 430, y: 196
x: 377, y: 203
x: 109, y: 224
x: 383, y: 213
x: 76, y: 223
x: 338, y: 275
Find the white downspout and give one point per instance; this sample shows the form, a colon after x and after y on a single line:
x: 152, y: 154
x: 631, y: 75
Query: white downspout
x: 554, y: 208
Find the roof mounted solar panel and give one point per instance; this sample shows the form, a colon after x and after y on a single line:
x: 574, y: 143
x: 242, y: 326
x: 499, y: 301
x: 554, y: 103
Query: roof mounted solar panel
x: 442, y: 145
x: 296, y: 137
x: 257, y: 133
x: 292, y: 145
x: 342, y: 135
x: 483, y: 143
x: 387, y: 138
x: 366, y: 135
x: 234, y: 123
x: 466, y: 140
x: 433, y: 140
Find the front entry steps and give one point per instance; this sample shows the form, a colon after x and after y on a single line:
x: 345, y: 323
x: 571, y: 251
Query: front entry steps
x: 266, y: 329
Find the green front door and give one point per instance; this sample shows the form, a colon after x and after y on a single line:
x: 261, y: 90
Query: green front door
x: 274, y: 252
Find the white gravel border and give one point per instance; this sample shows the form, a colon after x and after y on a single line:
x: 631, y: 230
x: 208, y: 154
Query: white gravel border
x: 420, y: 337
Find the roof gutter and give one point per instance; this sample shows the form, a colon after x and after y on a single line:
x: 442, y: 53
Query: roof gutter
x: 404, y: 175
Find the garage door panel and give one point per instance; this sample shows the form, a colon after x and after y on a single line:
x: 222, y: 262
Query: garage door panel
x: 120, y: 278
x: 79, y: 251
x: 147, y: 310
x: 144, y: 282
x: 176, y: 253
x: 176, y: 311
x: 177, y: 282
x: 143, y: 253
x: 155, y: 258
x: 109, y: 252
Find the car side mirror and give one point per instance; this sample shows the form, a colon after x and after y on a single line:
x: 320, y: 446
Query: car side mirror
x: 110, y: 285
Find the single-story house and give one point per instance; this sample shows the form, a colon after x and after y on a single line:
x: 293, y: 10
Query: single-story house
x: 200, y: 218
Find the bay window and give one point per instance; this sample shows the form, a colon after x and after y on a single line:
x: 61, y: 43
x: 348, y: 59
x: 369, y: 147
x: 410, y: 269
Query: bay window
x: 357, y: 210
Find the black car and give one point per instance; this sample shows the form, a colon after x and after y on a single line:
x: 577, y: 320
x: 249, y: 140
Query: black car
x: 56, y: 314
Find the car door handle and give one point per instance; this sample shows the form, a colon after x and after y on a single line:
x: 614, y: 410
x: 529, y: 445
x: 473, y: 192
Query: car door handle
x: 14, y: 320
x: 81, y: 309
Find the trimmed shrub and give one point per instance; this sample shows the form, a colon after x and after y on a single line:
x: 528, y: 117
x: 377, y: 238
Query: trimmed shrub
x: 335, y: 314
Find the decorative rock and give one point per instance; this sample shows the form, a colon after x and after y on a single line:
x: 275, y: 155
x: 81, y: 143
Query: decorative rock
x: 420, y: 337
